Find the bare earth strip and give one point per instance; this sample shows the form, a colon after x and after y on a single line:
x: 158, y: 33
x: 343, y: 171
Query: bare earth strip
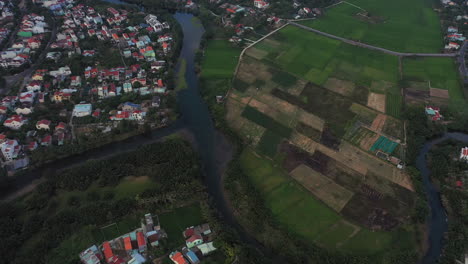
x: 376, y: 101
x: 322, y: 187
x: 439, y: 93
x: 378, y: 123
x: 278, y: 104
x: 303, y: 142
x: 310, y: 119
x: 368, y: 141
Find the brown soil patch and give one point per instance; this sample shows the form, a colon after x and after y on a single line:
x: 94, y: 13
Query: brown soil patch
x: 256, y: 53
x: 311, y: 120
x: 251, y: 70
x: 416, y: 96
x: 340, y: 86
x: 234, y: 112
x: 322, y: 187
x: 378, y: 123
x: 278, y: 104
x: 439, y: 93
x: 376, y: 101
x: 367, y: 142
x: 303, y: 142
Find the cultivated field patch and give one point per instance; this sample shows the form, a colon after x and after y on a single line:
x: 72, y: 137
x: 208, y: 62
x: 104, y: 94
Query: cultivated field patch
x: 342, y: 87
x: 332, y: 194
x: 439, y: 93
x: 376, y: 101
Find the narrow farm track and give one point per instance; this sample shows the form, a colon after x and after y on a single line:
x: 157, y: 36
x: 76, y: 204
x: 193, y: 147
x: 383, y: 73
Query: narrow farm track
x: 367, y: 46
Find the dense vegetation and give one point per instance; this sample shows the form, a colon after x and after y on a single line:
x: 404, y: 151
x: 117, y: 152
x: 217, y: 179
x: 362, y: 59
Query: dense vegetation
x: 73, y: 203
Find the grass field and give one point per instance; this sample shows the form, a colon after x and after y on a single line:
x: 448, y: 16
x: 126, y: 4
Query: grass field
x: 399, y: 25
x: 220, y: 60
x: 441, y: 73
x: 299, y: 211
x: 268, y: 144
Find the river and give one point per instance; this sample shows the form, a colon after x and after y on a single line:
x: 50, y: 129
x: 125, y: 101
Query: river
x: 215, y: 151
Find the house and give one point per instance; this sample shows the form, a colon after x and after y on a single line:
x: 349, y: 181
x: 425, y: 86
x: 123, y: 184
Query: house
x: 194, y: 240
x: 46, y: 141
x: 261, y: 4
x: 32, y: 146
x: 24, y: 110
x: 91, y: 255
x: 177, y: 258
x: 75, y: 81
x: 82, y: 109
x: 61, y: 96
x: 206, y: 248
x: 452, y: 46
x: 434, y: 113
x: 60, y: 138
x: 120, y: 115
x: 43, y: 124
x: 137, y: 115
x: 10, y: 149
x: 3, y: 109
x: 15, y: 122
x: 61, y: 127
x: 108, y: 254
x: 128, y: 106
x: 464, y: 154
x: 452, y: 29
x: 191, y: 256
x: 153, y: 21
x: 141, y: 242
x: 27, y: 97
x: 34, y: 86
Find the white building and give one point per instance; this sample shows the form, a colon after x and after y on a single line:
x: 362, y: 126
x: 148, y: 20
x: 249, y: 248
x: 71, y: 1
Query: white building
x: 81, y: 110
x: 464, y: 154
x: 10, y: 149
x: 153, y: 21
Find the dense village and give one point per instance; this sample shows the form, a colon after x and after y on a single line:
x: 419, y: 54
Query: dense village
x: 136, y: 247
x: 59, y: 102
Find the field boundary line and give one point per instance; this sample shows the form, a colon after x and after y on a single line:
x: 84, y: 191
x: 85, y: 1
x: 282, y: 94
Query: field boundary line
x: 358, y: 7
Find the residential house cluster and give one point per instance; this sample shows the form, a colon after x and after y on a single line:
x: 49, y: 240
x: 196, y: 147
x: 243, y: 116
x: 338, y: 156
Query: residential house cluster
x: 131, y: 248
x: 454, y: 39
x: 30, y: 37
x: 198, y: 244
x: 128, y: 111
x: 6, y: 18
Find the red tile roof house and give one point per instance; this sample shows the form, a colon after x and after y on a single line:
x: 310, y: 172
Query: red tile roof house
x: 178, y: 258
x: 15, y: 122
x: 43, y: 124
x: 46, y: 141
x: 61, y: 126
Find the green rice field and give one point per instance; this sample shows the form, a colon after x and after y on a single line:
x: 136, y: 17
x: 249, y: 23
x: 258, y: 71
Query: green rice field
x: 301, y: 212
x: 296, y: 51
x: 399, y: 25
x: 439, y: 73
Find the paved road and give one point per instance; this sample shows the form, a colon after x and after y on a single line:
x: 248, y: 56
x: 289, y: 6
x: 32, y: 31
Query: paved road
x: 367, y: 46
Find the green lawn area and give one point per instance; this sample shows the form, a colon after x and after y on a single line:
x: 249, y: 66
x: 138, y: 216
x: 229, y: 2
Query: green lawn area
x: 441, y: 72
x: 367, y: 241
x: 176, y: 221
x: 399, y: 25
x: 335, y: 235
x: 220, y: 59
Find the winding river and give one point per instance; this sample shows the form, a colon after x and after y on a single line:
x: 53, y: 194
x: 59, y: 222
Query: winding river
x: 215, y: 151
